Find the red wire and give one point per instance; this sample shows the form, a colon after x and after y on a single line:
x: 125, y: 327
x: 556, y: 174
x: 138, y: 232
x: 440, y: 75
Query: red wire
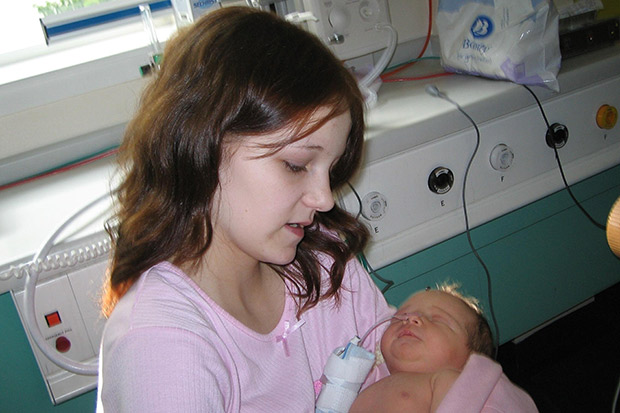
x: 60, y: 170
x: 428, y: 38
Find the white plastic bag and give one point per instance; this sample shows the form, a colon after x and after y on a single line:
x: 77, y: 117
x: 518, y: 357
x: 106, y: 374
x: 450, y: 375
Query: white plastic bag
x: 516, y: 40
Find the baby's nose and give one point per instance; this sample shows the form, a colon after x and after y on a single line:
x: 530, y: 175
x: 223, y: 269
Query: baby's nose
x: 409, y: 317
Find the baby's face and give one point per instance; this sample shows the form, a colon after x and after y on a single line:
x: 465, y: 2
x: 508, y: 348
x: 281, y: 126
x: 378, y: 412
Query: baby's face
x: 428, y: 333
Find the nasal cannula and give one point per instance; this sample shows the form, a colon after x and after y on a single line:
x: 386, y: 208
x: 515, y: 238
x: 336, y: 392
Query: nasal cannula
x: 359, y: 341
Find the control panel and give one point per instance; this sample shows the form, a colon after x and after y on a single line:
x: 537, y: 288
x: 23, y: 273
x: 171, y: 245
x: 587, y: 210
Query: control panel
x: 68, y: 316
x: 413, y: 199
x: 348, y: 26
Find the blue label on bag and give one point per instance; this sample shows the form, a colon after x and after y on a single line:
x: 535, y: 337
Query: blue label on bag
x: 482, y: 27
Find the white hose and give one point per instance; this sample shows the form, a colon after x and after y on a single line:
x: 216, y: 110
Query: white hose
x: 367, y: 81
x: 385, y: 57
x: 29, y: 303
x: 60, y: 260
x: 367, y: 333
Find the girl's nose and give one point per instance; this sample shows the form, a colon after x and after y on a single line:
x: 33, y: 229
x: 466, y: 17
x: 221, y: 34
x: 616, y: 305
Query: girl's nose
x: 319, y: 195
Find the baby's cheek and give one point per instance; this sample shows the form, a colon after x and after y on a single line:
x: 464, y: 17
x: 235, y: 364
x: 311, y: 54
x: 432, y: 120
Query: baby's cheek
x: 387, y: 357
x: 388, y: 335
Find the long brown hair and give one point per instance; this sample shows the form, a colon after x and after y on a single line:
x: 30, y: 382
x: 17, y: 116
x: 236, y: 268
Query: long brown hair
x: 235, y: 72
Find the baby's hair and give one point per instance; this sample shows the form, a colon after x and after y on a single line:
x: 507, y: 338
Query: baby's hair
x: 479, y: 333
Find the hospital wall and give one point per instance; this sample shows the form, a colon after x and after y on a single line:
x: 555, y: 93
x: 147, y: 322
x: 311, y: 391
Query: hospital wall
x: 543, y: 259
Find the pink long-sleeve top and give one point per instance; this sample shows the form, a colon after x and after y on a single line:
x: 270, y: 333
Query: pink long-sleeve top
x: 167, y: 347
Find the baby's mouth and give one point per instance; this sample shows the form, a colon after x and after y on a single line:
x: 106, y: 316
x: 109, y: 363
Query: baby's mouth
x: 407, y: 333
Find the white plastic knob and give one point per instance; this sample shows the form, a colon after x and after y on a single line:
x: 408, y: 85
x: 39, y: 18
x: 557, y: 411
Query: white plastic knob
x: 374, y: 206
x: 501, y: 157
x: 340, y: 19
x: 370, y: 10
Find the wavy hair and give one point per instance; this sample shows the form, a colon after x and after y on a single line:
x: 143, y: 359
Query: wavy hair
x: 236, y: 72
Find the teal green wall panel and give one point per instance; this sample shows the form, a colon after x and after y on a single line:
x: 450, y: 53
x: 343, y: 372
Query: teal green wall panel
x: 22, y: 388
x: 543, y: 259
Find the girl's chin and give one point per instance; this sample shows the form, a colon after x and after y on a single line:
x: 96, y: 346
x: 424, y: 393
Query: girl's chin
x: 283, y: 259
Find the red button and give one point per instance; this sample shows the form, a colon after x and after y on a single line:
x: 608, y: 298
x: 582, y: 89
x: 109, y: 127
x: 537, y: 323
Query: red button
x: 52, y: 319
x: 63, y: 344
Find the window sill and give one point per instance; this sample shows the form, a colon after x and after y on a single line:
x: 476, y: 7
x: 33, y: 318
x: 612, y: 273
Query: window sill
x: 70, y: 103
x: 57, y: 72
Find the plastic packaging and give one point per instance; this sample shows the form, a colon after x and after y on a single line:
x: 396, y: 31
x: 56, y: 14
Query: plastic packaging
x: 515, y: 40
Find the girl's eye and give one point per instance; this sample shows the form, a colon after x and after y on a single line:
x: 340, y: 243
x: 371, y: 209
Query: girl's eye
x: 294, y: 168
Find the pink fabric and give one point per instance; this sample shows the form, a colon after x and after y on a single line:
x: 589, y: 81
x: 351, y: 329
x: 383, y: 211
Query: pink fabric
x: 482, y: 387
x: 168, y: 347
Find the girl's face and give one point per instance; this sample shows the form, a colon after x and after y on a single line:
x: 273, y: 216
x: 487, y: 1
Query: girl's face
x: 428, y: 333
x: 264, y: 203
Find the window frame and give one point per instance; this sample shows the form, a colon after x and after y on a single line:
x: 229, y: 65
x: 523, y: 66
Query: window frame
x: 74, y: 23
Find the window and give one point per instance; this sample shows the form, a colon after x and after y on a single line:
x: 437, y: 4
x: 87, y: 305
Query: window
x: 19, y: 22
x: 38, y: 29
x: 71, y: 97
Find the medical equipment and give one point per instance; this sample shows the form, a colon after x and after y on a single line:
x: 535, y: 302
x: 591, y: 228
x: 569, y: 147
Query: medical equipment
x: 29, y: 301
x: 352, y: 29
x: 348, y: 27
x: 187, y: 11
x: 344, y: 373
x: 156, y: 51
x: 66, y: 307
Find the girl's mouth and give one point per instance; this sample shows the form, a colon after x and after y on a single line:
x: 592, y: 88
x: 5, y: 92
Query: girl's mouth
x: 296, y: 229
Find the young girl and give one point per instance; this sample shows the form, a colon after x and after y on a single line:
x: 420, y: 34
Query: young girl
x: 233, y: 276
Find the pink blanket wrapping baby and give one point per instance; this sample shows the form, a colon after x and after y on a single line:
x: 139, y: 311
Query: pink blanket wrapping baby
x: 483, y: 388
